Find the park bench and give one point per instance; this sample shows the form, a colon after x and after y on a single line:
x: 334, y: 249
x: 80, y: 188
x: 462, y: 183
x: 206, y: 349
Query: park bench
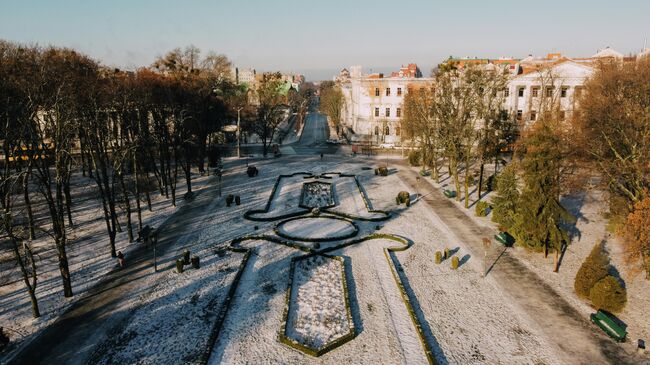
x: 449, y: 193
x: 611, y: 327
x: 505, y: 238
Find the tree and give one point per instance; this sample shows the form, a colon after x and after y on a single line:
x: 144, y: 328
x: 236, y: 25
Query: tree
x: 540, y: 220
x: 636, y: 236
x: 270, y: 110
x: 612, y: 129
x: 331, y: 102
x: 593, y: 269
x: 608, y: 294
x: 504, y: 204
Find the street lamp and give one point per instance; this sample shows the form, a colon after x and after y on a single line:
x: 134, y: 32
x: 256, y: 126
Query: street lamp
x: 239, y: 131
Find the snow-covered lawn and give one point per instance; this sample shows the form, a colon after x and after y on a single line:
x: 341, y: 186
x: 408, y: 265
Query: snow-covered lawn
x: 316, y: 228
x: 316, y: 194
x: 317, y: 307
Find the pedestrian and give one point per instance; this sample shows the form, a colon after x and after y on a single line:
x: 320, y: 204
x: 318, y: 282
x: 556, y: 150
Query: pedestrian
x: 120, y: 259
x: 321, y: 157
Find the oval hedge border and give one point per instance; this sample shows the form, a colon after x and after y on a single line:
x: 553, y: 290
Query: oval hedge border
x: 279, y: 232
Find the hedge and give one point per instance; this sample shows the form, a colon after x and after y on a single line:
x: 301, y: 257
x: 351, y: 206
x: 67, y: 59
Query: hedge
x: 279, y: 232
x: 482, y: 208
x: 283, y: 338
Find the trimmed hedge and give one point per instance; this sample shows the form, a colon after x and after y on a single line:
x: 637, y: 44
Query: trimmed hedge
x: 415, y: 158
x: 283, y: 338
x: 608, y: 294
x: 403, y: 197
x: 482, y: 208
x: 438, y: 257
x: 593, y: 269
x: 454, y: 262
x: 279, y: 232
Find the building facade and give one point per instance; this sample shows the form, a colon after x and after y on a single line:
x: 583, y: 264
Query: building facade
x: 373, y: 105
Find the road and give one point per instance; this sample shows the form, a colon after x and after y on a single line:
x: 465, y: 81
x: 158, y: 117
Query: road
x: 313, y: 140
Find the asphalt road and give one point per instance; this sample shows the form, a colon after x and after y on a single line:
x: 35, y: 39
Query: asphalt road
x: 313, y: 140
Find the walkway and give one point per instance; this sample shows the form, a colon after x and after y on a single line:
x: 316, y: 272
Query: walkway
x: 564, y: 326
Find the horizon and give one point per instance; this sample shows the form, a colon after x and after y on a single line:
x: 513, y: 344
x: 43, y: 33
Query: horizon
x: 317, y: 40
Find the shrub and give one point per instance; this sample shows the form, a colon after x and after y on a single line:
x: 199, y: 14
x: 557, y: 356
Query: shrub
x: 382, y: 171
x: 195, y: 262
x: 454, y: 262
x: 438, y: 257
x: 471, y: 180
x: 636, y: 236
x: 179, y: 266
x: 415, y: 158
x: 186, y: 257
x: 229, y: 199
x: 252, y: 171
x: 489, y: 184
x: 447, y: 253
x: 504, y: 204
x: 593, y: 269
x: 403, y: 197
x: 237, y: 200
x: 482, y: 208
x: 608, y: 294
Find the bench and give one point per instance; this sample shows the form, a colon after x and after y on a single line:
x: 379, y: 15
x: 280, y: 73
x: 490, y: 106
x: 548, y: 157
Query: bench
x: 449, y: 193
x: 609, y: 326
x: 505, y: 239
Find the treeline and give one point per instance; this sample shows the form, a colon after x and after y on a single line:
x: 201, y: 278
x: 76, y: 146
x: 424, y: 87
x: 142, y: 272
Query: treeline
x: 133, y: 133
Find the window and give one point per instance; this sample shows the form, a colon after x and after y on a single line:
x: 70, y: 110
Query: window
x: 520, y: 113
x: 535, y: 91
x: 387, y: 131
x: 398, y: 112
x: 521, y: 91
x: 387, y: 91
x: 376, y: 91
x: 376, y: 112
x: 549, y: 91
x: 409, y: 89
x: 376, y: 130
x: 562, y: 114
x: 563, y: 92
x: 506, y: 92
x: 533, y: 115
x: 399, y: 91
x: 388, y: 112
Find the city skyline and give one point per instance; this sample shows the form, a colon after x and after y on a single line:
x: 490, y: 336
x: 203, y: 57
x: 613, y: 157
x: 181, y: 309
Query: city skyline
x: 320, y: 38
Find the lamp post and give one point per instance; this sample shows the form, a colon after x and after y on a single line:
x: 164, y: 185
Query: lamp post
x: 239, y: 132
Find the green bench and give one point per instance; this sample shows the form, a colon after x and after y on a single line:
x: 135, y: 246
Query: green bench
x: 607, y: 324
x: 505, y: 238
x: 449, y: 193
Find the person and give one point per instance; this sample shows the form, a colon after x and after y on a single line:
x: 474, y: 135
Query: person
x: 120, y: 259
x: 321, y: 156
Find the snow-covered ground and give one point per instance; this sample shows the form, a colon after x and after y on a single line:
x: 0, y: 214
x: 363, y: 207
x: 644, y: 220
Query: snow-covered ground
x: 316, y: 228
x: 317, y: 312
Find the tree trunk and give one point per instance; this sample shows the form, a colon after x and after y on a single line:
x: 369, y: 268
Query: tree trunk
x: 127, y: 205
x: 31, y: 287
x: 137, y: 192
x: 480, y: 180
x: 68, y: 200
x: 467, y: 172
x: 28, y: 206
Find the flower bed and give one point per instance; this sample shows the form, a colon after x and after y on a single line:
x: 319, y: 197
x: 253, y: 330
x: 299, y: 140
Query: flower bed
x: 317, y: 317
x: 317, y: 194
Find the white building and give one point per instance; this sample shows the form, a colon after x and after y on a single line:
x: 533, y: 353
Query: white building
x: 373, y: 104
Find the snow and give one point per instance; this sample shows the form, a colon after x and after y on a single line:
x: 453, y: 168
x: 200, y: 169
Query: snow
x: 316, y: 228
x: 317, y: 195
x: 317, y: 311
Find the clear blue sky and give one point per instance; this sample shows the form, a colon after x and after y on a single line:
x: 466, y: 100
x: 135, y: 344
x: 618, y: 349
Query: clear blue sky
x: 319, y: 37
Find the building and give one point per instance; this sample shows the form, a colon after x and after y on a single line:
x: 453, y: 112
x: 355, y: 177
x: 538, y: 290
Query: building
x: 373, y: 104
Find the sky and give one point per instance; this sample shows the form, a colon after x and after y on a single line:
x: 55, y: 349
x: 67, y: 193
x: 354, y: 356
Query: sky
x: 318, y: 38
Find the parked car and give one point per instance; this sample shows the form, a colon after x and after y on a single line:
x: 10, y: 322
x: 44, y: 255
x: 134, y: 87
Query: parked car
x: 387, y: 145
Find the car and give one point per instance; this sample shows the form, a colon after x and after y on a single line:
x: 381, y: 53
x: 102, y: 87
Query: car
x: 333, y: 141
x: 387, y: 145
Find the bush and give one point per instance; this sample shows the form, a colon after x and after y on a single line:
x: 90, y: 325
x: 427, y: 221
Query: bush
x: 608, y: 294
x: 471, y: 180
x: 237, y: 200
x: 454, y: 262
x: 186, y: 257
x: 403, y: 197
x: 179, y: 266
x: 482, y: 209
x: 195, y: 262
x: 447, y: 253
x: 382, y: 171
x: 593, y: 269
x: 415, y: 158
x: 229, y: 199
x: 489, y: 184
x: 252, y: 171
x: 438, y: 257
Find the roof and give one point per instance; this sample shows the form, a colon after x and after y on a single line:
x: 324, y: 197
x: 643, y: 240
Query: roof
x: 607, y: 52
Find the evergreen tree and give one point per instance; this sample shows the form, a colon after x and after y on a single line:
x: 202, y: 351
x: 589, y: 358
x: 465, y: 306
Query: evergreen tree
x: 593, y: 269
x: 505, y: 203
x: 540, y: 216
